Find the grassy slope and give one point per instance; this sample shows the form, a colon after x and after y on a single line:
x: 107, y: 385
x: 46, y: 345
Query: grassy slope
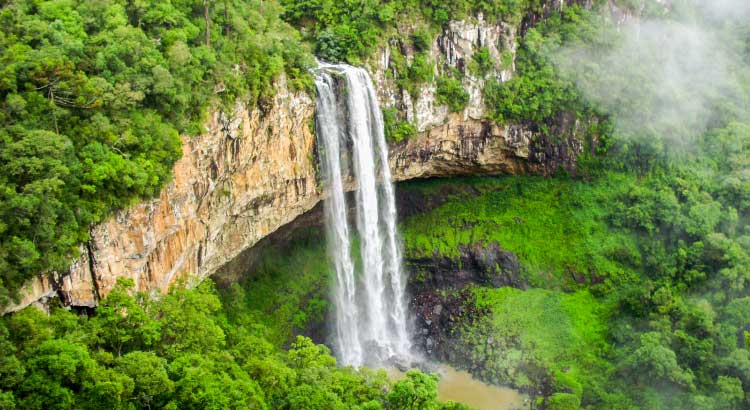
x: 557, y: 330
x: 539, y: 329
x: 557, y: 227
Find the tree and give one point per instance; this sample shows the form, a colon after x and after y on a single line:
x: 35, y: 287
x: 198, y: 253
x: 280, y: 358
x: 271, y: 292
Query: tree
x: 152, y: 388
x: 57, y: 369
x: 417, y: 392
x: 207, y: 18
x: 12, y: 370
x: 652, y: 361
x: 730, y: 394
x: 122, y: 323
x: 213, y: 382
x: 187, y: 323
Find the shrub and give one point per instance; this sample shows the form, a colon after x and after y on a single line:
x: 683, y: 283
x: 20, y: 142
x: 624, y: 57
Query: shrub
x: 482, y: 62
x: 451, y: 93
x: 397, y: 130
x: 421, y: 39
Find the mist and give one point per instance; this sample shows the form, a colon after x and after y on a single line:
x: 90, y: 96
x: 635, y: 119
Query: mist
x: 670, y: 75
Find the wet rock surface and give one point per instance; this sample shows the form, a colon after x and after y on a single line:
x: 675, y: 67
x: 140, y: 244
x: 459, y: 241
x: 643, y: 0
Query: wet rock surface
x: 445, y: 308
x: 441, y: 296
x: 439, y: 318
x: 481, y: 263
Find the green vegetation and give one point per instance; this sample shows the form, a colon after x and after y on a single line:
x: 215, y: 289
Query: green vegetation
x: 637, y: 273
x: 180, y: 351
x: 287, y: 290
x: 645, y: 277
x: 537, y: 94
x: 636, y: 276
x: 558, y: 227
x: 451, y: 93
x: 537, y: 331
x: 506, y: 59
x: 351, y: 30
x: 94, y: 96
x: 482, y: 62
x: 397, y: 130
x: 421, y: 39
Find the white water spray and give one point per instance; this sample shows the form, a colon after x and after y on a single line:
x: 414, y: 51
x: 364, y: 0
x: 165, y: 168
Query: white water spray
x: 371, y: 316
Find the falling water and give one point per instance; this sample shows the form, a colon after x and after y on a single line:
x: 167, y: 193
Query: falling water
x: 371, y: 318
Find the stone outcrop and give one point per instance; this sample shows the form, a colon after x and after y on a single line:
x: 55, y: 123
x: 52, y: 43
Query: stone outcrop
x: 255, y: 171
x: 481, y: 263
x: 471, y: 147
x: 442, y: 300
x: 451, y: 50
x: 235, y: 184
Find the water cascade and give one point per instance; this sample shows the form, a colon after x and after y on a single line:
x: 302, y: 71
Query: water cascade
x: 371, y: 316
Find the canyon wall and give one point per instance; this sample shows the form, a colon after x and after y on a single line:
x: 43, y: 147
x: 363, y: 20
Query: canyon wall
x: 254, y: 171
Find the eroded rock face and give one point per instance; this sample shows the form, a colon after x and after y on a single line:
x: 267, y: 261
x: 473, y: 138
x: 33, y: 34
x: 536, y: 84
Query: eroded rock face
x: 235, y: 184
x: 452, y: 49
x: 252, y: 173
x: 442, y: 300
x: 479, y: 263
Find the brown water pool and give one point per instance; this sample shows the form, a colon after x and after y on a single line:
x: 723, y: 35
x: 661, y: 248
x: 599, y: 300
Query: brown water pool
x: 458, y: 385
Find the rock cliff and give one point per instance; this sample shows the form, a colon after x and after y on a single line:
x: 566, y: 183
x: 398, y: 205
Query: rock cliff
x: 254, y: 171
x: 246, y: 176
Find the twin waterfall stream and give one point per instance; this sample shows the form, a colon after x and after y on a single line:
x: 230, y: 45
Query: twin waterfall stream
x: 371, y: 318
x: 371, y: 313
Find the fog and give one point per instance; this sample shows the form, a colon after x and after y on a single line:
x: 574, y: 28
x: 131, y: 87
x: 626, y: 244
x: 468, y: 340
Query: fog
x: 723, y: 9
x: 670, y: 75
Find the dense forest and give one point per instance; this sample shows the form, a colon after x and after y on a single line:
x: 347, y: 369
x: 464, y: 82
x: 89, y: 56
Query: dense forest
x: 181, y: 352
x: 634, y: 272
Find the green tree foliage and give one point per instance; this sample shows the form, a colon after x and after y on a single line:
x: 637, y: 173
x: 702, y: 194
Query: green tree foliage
x: 645, y: 262
x: 94, y: 96
x: 663, y: 250
x: 451, y: 93
x: 152, y: 386
x: 124, y: 324
x: 417, y: 392
x: 342, y: 31
x: 350, y: 30
x: 537, y: 94
x: 194, y: 358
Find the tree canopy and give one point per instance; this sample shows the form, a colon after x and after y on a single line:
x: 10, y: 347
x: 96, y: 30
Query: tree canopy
x: 95, y: 96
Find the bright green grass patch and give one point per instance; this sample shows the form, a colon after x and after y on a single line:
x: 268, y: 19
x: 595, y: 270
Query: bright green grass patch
x: 557, y: 326
x: 539, y: 332
x: 557, y: 227
x: 288, y: 290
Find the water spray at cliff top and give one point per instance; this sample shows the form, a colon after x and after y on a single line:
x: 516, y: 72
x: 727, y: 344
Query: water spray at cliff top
x: 369, y: 294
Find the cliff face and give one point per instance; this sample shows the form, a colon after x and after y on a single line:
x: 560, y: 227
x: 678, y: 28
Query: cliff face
x: 451, y: 50
x: 466, y: 143
x: 255, y: 171
x: 242, y: 179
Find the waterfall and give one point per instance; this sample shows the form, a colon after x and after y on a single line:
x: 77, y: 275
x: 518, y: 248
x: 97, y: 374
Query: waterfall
x: 371, y: 316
